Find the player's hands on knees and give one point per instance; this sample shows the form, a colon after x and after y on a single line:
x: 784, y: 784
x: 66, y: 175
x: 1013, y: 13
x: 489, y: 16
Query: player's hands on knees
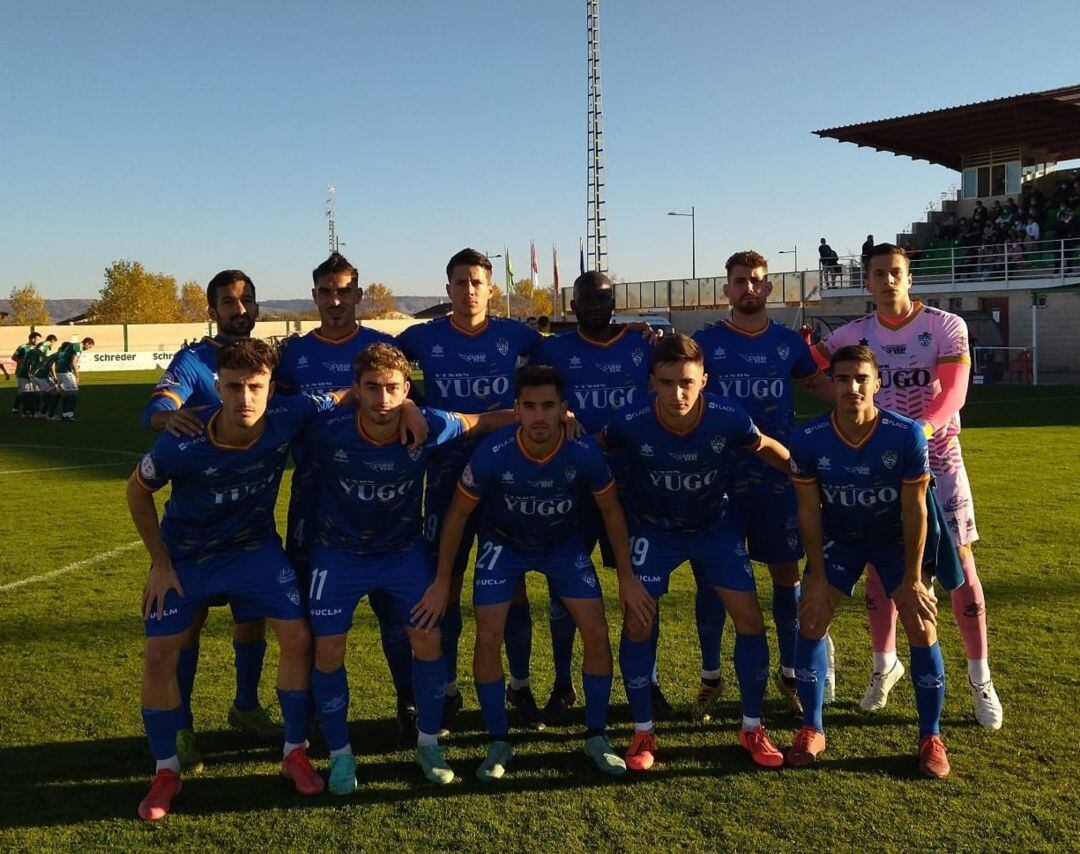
x: 432, y: 605
x: 918, y: 600
x: 414, y: 423
x: 814, y: 605
x: 573, y: 427
x: 636, y: 603
x: 159, y: 582
x: 181, y: 422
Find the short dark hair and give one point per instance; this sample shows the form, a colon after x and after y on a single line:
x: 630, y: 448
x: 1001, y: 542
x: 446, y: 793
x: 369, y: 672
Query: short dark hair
x: 746, y: 258
x: 50, y: 338
x: 88, y: 340
x: 252, y: 354
x: 33, y: 335
x: 468, y: 257
x: 881, y: 249
x: 590, y: 279
x: 335, y: 263
x: 532, y: 376
x: 854, y: 353
x: 223, y: 280
x: 381, y: 357
x: 676, y: 347
x: 543, y: 321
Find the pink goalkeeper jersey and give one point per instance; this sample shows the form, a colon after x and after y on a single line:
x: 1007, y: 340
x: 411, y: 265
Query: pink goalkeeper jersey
x: 909, y: 352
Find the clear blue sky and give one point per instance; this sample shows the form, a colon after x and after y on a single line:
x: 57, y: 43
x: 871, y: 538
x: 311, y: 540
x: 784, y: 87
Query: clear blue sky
x: 199, y: 136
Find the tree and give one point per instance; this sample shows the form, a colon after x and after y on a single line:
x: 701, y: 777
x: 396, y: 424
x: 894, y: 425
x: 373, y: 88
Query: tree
x: 378, y: 301
x: 27, y: 307
x: 526, y: 300
x: 133, y: 294
x: 497, y: 302
x: 192, y: 303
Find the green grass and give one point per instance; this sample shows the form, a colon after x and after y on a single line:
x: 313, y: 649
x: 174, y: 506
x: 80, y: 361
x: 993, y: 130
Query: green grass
x: 75, y: 761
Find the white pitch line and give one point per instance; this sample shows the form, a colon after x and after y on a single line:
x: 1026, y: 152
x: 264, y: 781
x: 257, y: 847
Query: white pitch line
x: 70, y: 448
x: 79, y: 564
x: 66, y: 468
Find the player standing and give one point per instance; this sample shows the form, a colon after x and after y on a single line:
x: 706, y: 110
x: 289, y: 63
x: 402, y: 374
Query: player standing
x: 186, y: 388
x: 861, y: 477
x: 754, y: 360
x: 534, y: 481
x: 679, y: 452
x: 368, y: 537
x: 468, y: 360
x: 23, y: 384
x: 923, y: 355
x: 218, y: 538
x: 605, y: 369
x: 34, y: 400
x: 66, y: 369
x: 318, y: 362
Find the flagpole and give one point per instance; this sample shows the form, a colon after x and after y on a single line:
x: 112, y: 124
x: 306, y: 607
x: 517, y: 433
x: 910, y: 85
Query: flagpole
x: 509, y: 279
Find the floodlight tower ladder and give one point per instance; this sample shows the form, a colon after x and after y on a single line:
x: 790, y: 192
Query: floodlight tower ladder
x: 335, y: 243
x: 596, y: 206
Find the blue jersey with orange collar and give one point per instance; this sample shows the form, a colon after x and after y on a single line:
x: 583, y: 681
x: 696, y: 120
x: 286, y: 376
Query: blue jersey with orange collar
x: 679, y: 481
x: 223, y: 496
x: 757, y: 369
x: 601, y: 378
x: 189, y: 380
x: 370, y: 492
x: 530, y: 504
x: 314, y: 364
x: 860, y: 482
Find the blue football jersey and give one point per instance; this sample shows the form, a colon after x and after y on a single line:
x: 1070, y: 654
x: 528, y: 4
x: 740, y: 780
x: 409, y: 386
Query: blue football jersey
x: 530, y: 504
x: 222, y: 496
x: 188, y: 380
x: 601, y: 377
x: 859, y: 483
x: 369, y: 493
x: 757, y: 370
x: 680, y: 481
x: 312, y: 364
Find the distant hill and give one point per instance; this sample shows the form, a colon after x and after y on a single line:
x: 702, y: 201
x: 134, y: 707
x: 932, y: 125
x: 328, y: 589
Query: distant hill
x: 62, y: 309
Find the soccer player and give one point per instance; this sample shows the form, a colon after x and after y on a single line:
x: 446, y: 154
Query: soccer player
x: 34, y: 399
x: 45, y: 380
x: 679, y: 456
x: 368, y: 537
x: 23, y: 384
x: 533, y: 481
x: 605, y: 370
x: 861, y: 476
x: 66, y: 369
x: 924, y: 364
x: 468, y: 360
x: 186, y: 389
x: 218, y: 538
x: 320, y: 361
x: 756, y: 361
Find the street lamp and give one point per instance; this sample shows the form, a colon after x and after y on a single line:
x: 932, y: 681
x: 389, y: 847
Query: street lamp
x: 794, y: 251
x: 693, y: 239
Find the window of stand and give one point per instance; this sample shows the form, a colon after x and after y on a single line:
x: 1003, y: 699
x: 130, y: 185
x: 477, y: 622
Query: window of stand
x: 998, y: 179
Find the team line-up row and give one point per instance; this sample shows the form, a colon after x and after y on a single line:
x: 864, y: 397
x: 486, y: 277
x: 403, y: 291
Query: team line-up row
x: 671, y: 451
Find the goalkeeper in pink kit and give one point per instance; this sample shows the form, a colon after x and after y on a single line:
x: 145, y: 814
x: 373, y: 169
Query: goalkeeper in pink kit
x: 923, y: 354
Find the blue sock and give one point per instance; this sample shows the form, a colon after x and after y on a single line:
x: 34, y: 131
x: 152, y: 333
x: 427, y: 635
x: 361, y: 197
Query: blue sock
x: 636, y: 660
x: 451, y: 634
x: 597, y: 699
x: 518, y: 639
x: 296, y: 713
x: 562, y: 641
x: 492, y: 696
x: 395, y: 641
x: 249, y: 663
x: 752, y: 669
x: 429, y: 685
x: 785, y: 611
x: 928, y: 675
x: 186, y: 666
x: 811, y: 664
x: 331, y: 695
x: 654, y: 644
x: 710, y: 615
x: 161, y: 726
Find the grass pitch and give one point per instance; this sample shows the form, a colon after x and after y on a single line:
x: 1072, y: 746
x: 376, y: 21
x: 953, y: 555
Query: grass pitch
x: 75, y: 762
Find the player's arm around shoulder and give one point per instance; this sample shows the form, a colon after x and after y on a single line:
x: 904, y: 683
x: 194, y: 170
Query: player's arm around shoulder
x: 481, y: 424
x: 165, y: 411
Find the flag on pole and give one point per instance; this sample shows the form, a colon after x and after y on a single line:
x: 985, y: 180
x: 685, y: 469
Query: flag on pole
x: 581, y: 256
x: 555, y: 295
x: 509, y: 277
x: 534, y: 272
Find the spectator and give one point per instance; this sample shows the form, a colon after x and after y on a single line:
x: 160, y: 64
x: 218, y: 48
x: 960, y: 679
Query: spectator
x: 1065, y: 217
x: 830, y: 266
x: 995, y: 211
x: 979, y: 215
x: 1032, y: 230
x: 866, y: 248
x: 543, y: 324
